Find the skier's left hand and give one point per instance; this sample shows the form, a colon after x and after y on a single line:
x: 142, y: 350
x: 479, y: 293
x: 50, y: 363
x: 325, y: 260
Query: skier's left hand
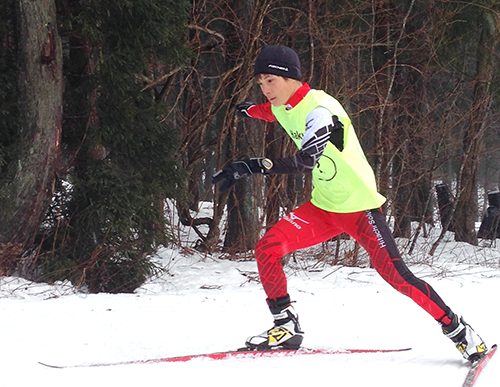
x: 237, y: 170
x: 242, y: 109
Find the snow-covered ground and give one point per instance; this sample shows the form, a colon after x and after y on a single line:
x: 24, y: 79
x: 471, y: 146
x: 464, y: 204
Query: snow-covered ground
x: 205, y: 304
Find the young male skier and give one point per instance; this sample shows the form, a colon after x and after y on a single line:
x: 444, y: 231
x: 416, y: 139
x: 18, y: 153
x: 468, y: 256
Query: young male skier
x: 344, y: 199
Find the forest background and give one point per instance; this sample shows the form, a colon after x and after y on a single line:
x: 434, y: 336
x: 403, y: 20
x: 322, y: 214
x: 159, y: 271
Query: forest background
x: 113, y: 111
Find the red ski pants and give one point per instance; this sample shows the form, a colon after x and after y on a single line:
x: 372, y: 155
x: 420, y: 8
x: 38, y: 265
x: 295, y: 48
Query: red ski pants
x: 308, y: 226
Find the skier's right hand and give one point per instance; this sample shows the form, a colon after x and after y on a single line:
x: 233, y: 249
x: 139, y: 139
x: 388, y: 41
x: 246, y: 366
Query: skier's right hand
x: 237, y: 170
x: 243, y: 108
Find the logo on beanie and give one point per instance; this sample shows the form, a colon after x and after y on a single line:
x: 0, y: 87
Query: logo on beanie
x: 273, y: 66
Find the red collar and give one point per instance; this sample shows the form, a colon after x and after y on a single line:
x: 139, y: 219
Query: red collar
x: 298, y: 96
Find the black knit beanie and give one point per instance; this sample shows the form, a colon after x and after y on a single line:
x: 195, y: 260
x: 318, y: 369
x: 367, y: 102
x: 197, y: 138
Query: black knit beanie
x: 278, y: 60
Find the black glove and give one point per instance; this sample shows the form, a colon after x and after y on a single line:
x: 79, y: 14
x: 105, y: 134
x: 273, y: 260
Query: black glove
x: 237, y: 170
x: 242, y: 109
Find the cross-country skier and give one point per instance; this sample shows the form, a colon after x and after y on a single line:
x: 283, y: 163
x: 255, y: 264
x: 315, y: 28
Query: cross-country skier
x: 344, y: 199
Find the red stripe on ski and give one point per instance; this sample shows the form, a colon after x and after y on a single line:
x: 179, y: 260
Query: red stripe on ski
x: 476, y: 369
x: 245, y: 354
x: 280, y: 352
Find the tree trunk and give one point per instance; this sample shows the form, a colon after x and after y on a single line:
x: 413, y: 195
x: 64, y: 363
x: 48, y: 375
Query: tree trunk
x: 243, y: 215
x: 466, y: 209
x: 40, y: 101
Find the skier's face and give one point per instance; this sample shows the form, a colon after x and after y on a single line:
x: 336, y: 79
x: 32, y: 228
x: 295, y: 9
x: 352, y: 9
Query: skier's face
x: 276, y: 89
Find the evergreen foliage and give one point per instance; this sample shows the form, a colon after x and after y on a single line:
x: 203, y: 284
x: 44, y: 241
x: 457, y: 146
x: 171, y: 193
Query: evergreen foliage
x: 108, y: 219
